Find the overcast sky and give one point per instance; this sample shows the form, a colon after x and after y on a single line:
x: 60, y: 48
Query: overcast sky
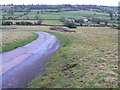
x: 93, y: 2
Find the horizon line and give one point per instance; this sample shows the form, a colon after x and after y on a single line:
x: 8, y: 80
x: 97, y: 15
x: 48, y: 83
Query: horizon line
x: 59, y: 4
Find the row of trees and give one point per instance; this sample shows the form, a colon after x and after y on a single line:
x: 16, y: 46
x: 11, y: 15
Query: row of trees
x: 81, y: 21
x: 98, y: 21
x: 64, y: 6
x: 39, y: 22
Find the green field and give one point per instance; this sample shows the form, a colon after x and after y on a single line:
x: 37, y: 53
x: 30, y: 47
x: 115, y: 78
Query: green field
x: 16, y: 14
x: 52, y: 22
x: 66, y: 14
x: 57, y: 15
x: 86, y: 59
x: 45, y: 14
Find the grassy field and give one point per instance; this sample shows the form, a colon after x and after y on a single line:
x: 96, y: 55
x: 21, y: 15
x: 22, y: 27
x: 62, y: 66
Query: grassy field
x: 52, y: 22
x: 87, y: 58
x: 16, y: 14
x: 12, y: 40
x: 33, y: 14
x: 66, y: 14
x: 46, y: 22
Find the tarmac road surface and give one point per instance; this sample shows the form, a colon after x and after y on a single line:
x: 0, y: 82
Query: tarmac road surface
x: 21, y: 65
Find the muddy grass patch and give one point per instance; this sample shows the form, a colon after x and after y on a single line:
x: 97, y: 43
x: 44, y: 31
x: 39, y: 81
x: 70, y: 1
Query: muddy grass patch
x: 61, y: 29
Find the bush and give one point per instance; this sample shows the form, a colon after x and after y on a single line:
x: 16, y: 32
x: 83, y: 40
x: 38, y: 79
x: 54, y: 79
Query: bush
x: 39, y: 22
x: 118, y: 27
x: 70, y: 25
x: 10, y: 17
x: 23, y: 23
x: 60, y: 29
x: 62, y: 19
x: 7, y: 23
x: 96, y: 20
x: 80, y: 21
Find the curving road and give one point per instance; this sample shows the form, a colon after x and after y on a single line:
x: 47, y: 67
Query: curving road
x: 21, y: 65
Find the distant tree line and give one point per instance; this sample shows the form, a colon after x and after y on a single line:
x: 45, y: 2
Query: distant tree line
x: 27, y: 8
x: 72, y: 22
x: 39, y: 22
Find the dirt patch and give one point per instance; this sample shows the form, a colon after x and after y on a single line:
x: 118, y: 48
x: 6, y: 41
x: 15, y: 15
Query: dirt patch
x: 60, y: 29
x: 69, y: 66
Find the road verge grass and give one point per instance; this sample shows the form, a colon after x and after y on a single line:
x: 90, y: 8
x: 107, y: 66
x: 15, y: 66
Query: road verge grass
x: 18, y: 43
x: 86, y: 58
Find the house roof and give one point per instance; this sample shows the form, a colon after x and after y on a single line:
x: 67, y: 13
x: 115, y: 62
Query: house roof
x: 85, y: 19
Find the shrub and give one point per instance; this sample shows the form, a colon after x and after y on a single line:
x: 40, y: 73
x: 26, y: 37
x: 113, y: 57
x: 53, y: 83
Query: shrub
x: 106, y: 22
x: 10, y: 17
x: 62, y: 19
x: 96, y: 20
x: 23, y: 23
x: 39, y: 22
x: 60, y: 29
x: 7, y: 23
x: 80, y: 21
x: 118, y: 25
x: 70, y: 25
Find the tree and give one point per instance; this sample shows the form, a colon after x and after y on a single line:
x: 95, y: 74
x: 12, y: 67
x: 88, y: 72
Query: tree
x: 62, y: 19
x: 81, y: 22
x: 111, y: 16
x: 59, y: 10
x: 36, y: 16
x: 38, y: 12
x: 94, y: 13
x: 4, y: 17
x: 70, y: 25
x: 106, y: 22
x: 41, y: 11
x: 27, y: 10
x: 11, y: 4
x: 10, y: 12
x: 7, y: 23
x: 96, y: 20
x: 39, y: 22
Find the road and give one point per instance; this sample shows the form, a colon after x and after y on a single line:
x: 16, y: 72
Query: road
x: 21, y: 65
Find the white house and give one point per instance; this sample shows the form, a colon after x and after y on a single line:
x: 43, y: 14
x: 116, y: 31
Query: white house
x: 70, y: 19
x: 84, y: 19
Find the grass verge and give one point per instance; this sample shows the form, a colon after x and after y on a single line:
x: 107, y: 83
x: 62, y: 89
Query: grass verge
x: 86, y: 59
x: 18, y: 43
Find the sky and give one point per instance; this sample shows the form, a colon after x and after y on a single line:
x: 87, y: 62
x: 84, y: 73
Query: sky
x: 54, y: 2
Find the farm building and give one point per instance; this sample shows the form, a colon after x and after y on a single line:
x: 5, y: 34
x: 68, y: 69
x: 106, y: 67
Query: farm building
x: 84, y: 19
x: 71, y: 19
